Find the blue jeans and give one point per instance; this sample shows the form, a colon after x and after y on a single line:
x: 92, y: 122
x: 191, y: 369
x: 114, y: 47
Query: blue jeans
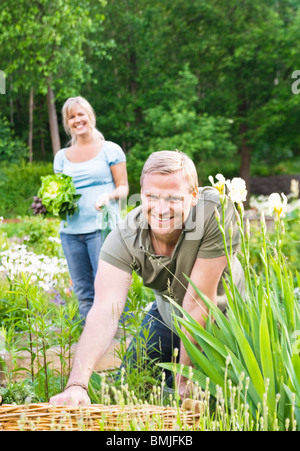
x: 82, y: 255
x: 157, y: 348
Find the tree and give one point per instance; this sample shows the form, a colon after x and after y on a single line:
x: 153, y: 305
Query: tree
x: 43, y: 48
x: 242, y: 54
x: 175, y: 124
x: 233, y: 62
x: 12, y: 149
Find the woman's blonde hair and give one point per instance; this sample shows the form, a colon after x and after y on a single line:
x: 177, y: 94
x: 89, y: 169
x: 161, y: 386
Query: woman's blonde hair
x: 169, y: 161
x: 66, y: 111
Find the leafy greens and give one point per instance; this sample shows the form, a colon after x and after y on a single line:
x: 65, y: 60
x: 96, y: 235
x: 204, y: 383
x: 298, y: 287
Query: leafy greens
x: 58, y: 195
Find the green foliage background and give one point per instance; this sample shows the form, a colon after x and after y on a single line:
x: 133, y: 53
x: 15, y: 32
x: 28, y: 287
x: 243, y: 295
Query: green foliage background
x: 212, y: 79
x: 19, y: 182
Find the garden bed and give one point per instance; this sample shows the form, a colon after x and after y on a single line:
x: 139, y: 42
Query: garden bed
x: 249, y: 369
x: 109, y: 361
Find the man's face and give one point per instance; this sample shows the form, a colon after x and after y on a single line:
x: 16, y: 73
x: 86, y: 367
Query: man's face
x: 166, y: 202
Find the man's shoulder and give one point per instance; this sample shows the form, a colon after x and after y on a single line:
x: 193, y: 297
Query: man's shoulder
x: 208, y: 200
x: 209, y: 194
x: 132, y: 224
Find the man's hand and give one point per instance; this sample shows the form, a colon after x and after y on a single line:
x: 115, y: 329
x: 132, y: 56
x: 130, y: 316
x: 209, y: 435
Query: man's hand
x: 72, y: 396
x: 100, y: 328
x: 184, y: 387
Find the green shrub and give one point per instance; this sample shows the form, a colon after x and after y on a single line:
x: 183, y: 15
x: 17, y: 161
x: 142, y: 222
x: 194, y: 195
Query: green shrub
x: 18, y: 184
x: 41, y: 235
x: 19, y: 393
x: 12, y: 149
x: 255, y: 346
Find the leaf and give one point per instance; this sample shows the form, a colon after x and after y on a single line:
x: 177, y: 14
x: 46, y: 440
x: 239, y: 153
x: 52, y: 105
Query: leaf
x: 219, y: 316
x: 211, y: 346
x: 249, y: 358
x: 197, y: 376
x: 239, y: 369
x: 297, y: 406
x: 290, y: 363
x: 200, y: 360
x: 58, y: 195
x: 266, y: 358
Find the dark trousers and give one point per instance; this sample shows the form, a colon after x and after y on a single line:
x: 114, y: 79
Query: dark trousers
x: 155, y: 344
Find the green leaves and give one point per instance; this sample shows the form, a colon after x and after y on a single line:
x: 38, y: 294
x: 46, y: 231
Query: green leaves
x: 58, y: 195
x: 266, y: 354
x: 12, y: 149
x: 47, y: 39
x: 258, y: 338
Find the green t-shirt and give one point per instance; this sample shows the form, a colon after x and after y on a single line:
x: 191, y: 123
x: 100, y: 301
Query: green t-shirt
x: 129, y: 248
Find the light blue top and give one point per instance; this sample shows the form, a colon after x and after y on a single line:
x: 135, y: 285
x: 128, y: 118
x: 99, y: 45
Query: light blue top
x: 92, y: 179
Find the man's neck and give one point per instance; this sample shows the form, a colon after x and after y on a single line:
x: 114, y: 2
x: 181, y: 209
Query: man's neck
x: 164, y: 245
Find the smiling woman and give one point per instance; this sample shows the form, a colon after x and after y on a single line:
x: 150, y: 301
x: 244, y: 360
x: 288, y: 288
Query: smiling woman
x: 78, y: 118
x: 98, y: 170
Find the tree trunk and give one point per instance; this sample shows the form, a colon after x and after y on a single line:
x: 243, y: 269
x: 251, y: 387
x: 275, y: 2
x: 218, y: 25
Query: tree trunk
x: 42, y: 144
x: 30, y: 134
x: 134, y: 85
x: 11, y: 102
x: 54, y: 131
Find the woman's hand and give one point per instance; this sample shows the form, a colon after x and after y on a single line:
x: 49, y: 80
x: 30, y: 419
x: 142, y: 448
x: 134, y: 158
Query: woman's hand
x: 102, y: 200
x: 72, y: 396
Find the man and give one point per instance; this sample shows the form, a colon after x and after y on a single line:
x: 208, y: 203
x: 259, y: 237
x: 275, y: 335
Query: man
x: 172, y: 234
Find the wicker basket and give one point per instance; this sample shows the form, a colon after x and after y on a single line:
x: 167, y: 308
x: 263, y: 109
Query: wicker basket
x: 96, y: 417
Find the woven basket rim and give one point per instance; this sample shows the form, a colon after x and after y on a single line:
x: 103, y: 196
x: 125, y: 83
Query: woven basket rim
x: 45, y: 416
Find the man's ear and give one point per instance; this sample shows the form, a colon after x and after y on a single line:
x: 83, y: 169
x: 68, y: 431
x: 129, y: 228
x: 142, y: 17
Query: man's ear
x: 195, y: 196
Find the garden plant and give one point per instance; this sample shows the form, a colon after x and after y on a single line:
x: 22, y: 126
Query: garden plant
x: 246, y: 364
x: 251, y: 354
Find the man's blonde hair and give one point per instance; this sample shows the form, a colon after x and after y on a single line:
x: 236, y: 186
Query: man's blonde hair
x: 169, y: 161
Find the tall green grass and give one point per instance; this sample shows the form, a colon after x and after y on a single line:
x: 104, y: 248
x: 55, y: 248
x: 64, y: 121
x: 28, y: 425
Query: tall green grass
x: 255, y: 346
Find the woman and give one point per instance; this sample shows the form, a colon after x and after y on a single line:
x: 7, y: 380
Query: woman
x: 98, y: 169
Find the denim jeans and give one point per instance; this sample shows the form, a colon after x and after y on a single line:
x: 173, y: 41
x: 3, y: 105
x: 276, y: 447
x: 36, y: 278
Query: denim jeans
x: 157, y: 347
x: 82, y: 255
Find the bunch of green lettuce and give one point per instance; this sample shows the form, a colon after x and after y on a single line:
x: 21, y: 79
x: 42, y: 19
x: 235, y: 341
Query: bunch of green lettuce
x: 58, y: 195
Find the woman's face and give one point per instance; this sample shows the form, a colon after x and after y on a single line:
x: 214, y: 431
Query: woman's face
x: 79, y: 121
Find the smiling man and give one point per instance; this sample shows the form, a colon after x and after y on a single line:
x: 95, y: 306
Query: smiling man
x: 172, y: 234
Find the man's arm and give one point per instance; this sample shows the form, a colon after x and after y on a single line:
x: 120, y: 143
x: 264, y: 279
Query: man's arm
x: 206, y: 275
x: 111, y: 288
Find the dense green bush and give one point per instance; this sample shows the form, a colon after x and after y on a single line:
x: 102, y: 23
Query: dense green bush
x: 12, y: 149
x: 290, y: 242
x: 18, y: 184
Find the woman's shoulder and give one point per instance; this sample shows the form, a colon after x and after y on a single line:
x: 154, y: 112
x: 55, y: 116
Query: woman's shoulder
x: 59, y: 160
x: 112, y: 145
x: 60, y: 154
x: 114, y: 152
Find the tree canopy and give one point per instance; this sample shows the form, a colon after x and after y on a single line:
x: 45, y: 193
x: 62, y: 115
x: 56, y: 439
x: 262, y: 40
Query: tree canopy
x: 213, y: 79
